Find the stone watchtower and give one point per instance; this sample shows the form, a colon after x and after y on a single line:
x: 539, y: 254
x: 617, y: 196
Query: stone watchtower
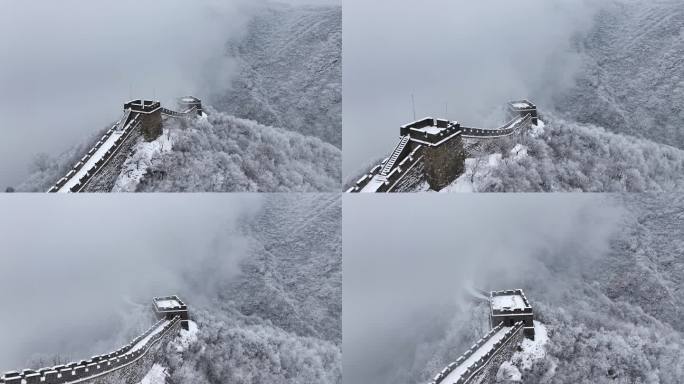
x: 150, y: 117
x: 522, y: 108
x: 443, y: 155
x: 509, y: 307
x: 188, y: 103
x: 169, y: 307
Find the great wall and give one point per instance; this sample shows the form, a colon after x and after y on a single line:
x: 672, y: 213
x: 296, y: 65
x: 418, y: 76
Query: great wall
x: 140, y: 118
x: 127, y: 365
x: 511, y: 318
x: 434, y: 149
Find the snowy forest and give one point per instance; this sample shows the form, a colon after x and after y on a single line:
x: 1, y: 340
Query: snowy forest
x: 602, y: 272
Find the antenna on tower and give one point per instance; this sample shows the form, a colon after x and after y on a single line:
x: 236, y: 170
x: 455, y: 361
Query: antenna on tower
x: 413, y: 103
x: 446, y: 110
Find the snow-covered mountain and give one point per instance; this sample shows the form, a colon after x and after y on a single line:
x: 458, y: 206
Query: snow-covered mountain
x: 281, y: 320
x: 619, y: 317
x: 290, y: 71
x: 632, y: 78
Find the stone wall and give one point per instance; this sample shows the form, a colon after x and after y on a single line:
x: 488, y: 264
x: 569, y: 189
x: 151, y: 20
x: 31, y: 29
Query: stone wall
x: 105, y: 179
x: 484, y: 370
x: 123, y: 366
x: 413, y: 177
x: 487, y: 375
x: 152, y: 125
x: 444, y: 163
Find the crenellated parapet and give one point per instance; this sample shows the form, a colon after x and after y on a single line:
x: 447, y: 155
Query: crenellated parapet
x: 126, y: 365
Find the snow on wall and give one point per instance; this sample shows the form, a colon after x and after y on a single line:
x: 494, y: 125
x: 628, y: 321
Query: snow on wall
x: 373, y: 182
x: 127, y: 365
x: 483, y: 358
x: 95, y: 159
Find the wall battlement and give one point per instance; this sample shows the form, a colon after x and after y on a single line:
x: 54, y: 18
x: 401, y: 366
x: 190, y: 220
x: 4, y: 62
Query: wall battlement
x: 127, y: 364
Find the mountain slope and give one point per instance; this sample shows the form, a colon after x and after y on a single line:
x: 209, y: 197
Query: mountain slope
x: 290, y: 71
x: 574, y: 157
x: 632, y: 79
x: 618, y: 318
x: 225, y: 153
x: 281, y: 320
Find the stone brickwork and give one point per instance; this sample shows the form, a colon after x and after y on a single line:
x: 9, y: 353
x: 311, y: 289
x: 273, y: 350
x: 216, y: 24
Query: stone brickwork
x: 412, y: 177
x: 151, y: 125
x: 444, y: 163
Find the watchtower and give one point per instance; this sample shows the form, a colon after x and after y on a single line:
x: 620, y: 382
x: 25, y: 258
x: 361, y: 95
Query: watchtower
x: 188, y: 103
x: 444, y: 155
x: 509, y: 307
x: 150, y: 117
x: 168, y: 307
x: 522, y: 108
